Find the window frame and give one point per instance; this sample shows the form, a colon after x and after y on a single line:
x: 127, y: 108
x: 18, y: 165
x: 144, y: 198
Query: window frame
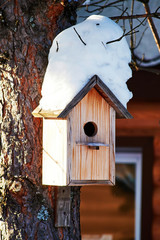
x: 134, y: 157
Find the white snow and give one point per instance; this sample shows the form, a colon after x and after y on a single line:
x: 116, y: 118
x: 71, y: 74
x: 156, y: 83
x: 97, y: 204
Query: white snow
x: 72, y: 63
x: 87, y: 2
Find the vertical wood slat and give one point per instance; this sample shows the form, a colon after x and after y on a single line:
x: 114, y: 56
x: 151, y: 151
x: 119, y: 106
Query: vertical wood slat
x: 54, y: 163
x: 63, y: 207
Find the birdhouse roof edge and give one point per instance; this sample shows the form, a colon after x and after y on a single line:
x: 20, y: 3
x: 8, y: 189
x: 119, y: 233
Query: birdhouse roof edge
x: 104, y: 91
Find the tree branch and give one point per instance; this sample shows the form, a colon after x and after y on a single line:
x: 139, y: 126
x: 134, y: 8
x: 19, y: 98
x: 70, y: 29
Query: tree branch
x: 128, y: 33
x: 155, y: 14
x: 4, y: 3
x: 152, y: 26
x: 100, y: 8
x: 135, y: 67
x: 79, y: 36
x: 57, y: 46
x: 131, y: 27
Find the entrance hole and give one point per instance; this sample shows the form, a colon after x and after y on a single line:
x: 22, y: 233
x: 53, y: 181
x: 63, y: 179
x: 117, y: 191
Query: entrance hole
x: 90, y: 129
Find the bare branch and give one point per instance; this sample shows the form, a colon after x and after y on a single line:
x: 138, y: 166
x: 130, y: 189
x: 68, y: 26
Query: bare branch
x: 136, y: 16
x: 123, y: 12
x: 4, y: 3
x: 124, y: 35
x: 100, y: 8
x: 128, y: 33
x: 101, y: 1
x: 118, y: 39
x: 155, y: 15
x: 79, y: 36
x: 139, y: 42
x: 157, y: 10
x: 131, y: 27
x: 134, y: 67
x: 57, y: 46
x: 152, y: 26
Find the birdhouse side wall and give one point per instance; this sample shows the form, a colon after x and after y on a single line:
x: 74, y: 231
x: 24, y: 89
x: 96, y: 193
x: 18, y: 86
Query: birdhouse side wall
x: 86, y: 164
x: 54, y: 163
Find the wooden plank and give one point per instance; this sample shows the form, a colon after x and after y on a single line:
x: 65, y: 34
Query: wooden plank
x: 101, y: 212
x: 90, y: 182
x: 156, y: 165
x: 41, y: 113
x: 156, y: 172
x: 137, y: 127
x: 146, y: 120
x: 97, y: 237
x: 63, y: 207
x: 87, y: 164
x: 156, y: 201
x: 54, y: 164
x: 145, y: 110
x: 156, y: 228
x: 36, y: 111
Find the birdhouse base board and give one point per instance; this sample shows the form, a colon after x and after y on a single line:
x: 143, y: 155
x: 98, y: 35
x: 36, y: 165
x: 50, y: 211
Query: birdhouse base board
x: 90, y: 182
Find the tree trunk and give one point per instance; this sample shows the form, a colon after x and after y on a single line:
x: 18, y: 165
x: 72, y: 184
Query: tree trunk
x: 27, y: 209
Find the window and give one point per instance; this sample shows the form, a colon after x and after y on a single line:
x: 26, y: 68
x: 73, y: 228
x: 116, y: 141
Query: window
x: 129, y: 175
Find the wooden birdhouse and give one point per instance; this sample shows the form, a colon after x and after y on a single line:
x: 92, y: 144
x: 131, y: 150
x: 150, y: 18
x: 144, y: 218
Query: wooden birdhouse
x: 79, y: 141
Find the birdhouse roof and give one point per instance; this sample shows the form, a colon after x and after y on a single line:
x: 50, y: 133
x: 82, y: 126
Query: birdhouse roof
x: 102, y: 89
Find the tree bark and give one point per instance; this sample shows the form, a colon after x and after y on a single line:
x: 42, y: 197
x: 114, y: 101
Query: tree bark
x: 27, y: 209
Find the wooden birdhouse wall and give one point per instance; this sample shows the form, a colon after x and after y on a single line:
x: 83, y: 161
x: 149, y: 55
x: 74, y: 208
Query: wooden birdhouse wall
x: 68, y: 155
x: 54, y: 163
x: 88, y: 165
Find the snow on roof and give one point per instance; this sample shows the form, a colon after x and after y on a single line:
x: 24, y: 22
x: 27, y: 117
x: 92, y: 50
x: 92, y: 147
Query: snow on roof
x: 80, y: 52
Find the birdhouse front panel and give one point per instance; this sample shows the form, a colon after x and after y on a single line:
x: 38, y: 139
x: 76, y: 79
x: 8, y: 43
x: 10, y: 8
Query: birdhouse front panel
x: 91, y: 141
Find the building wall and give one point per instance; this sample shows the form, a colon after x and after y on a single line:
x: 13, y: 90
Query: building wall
x: 146, y: 123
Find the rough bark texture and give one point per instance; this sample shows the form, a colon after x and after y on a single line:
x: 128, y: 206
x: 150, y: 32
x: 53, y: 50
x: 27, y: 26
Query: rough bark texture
x: 27, y: 28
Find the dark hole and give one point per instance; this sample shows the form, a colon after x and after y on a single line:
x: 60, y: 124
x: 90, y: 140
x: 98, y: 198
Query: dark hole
x: 90, y: 129
x: 97, y: 24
